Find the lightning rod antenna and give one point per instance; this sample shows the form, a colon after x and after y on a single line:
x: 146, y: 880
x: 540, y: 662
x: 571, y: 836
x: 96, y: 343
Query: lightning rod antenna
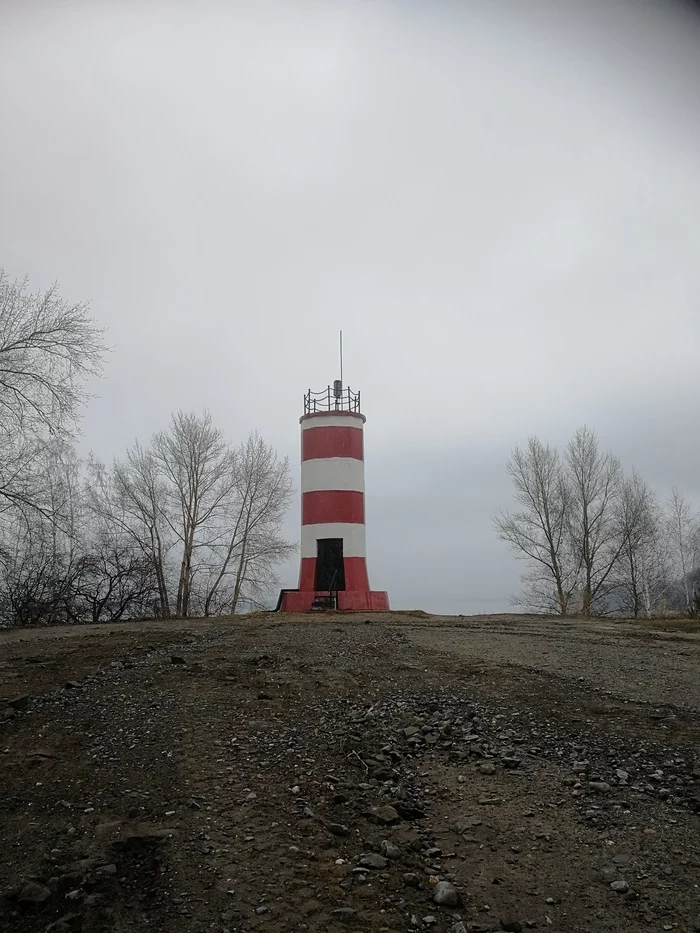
x: 341, y: 357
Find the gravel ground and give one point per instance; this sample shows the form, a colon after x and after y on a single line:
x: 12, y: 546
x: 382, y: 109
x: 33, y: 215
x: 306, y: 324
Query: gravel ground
x: 331, y: 773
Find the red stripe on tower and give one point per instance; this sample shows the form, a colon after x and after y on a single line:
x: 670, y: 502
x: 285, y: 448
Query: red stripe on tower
x: 332, y: 505
x: 333, y: 441
x: 307, y: 574
x: 356, y: 579
x: 355, y: 574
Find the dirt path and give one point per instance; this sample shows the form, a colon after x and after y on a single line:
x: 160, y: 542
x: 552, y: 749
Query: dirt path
x: 326, y: 774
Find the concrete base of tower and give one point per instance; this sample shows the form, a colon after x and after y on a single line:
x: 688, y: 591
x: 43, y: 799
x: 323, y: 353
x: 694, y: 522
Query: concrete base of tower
x: 348, y: 600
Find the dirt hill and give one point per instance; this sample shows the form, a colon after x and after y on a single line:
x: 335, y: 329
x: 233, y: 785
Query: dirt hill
x: 332, y: 773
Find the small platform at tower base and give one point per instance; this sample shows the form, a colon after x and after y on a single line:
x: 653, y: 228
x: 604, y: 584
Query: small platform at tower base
x: 347, y: 600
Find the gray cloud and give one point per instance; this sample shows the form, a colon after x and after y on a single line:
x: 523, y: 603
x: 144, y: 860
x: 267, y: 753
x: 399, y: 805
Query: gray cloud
x: 498, y: 203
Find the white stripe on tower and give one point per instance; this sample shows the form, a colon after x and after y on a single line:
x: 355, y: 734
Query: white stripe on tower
x: 333, y: 473
x: 353, y: 536
x: 329, y: 420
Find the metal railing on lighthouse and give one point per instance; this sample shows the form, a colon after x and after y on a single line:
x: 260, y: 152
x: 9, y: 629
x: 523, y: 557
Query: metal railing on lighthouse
x: 334, y: 398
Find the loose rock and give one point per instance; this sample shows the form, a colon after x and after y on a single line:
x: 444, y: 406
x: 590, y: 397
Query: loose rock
x: 372, y: 860
x: 390, y: 851
x: 386, y: 815
x: 33, y: 893
x: 446, y: 894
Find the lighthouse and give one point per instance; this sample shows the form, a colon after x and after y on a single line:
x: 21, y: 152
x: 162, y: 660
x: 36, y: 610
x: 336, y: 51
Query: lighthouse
x: 333, y: 571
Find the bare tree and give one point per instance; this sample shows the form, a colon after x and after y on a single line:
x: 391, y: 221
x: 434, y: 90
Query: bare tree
x: 537, y: 532
x: 47, y: 349
x: 683, y: 525
x: 112, y: 580
x: 655, y: 567
x: 40, y: 545
x: 84, y: 569
x: 195, y: 461
x: 23, y: 484
x: 31, y: 590
x: 131, y: 497
x: 28, y: 589
x: 249, y: 545
x: 205, y: 516
x: 635, y: 580
x: 594, y: 479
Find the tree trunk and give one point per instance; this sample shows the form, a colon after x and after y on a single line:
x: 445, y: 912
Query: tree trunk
x: 240, y: 576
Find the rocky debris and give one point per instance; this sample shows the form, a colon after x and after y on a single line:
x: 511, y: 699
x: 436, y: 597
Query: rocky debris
x: 620, y: 886
x: 406, y: 837
x: 41, y: 754
x: 177, y: 659
x: 19, y: 702
x: 138, y: 839
x: 446, y: 894
x: 511, y: 926
x: 64, y: 924
x: 33, y: 893
x: 372, y: 860
x: 510, y: 762
x: 409, y: 811
x: 390, y: 851
x: 386, y: 815
x: 210, y: 775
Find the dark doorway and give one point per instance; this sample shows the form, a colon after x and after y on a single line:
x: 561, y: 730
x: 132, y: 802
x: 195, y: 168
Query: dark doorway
x: 330, y: 570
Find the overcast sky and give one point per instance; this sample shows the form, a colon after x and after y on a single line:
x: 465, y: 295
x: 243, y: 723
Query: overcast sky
x: 498, y: 202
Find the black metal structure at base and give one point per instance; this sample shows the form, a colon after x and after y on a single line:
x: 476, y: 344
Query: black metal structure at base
x: 324, y: 602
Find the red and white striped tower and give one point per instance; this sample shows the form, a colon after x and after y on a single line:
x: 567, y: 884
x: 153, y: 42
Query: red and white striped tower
x: 333, y: 568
